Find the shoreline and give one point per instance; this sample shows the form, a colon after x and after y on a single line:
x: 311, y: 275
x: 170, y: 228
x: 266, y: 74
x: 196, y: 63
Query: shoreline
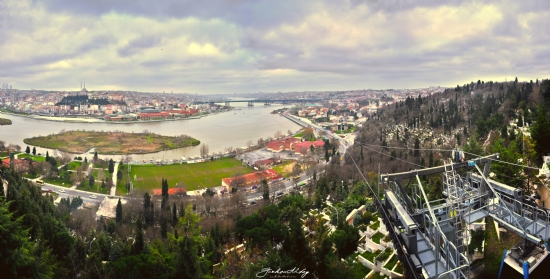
x: 104, y: 140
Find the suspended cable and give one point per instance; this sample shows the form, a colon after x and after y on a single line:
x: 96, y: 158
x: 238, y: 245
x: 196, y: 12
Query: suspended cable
x: 395, y: 157
x: 443, y: 150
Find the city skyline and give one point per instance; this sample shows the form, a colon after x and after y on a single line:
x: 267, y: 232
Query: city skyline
x: 211, y: 47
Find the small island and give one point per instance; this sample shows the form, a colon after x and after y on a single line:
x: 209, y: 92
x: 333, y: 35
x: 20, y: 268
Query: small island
x: 111, y: 143
x: 4, y: 121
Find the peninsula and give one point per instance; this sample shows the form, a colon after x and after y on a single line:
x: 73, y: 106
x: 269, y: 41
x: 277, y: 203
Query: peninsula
x: 111, y: 142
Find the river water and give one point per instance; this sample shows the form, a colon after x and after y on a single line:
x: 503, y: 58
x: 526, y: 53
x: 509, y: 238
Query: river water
x: 229, y: 129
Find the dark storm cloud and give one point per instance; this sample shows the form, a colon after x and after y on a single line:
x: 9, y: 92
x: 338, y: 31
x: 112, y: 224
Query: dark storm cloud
x: 242, y: 12
x: 137, y: 45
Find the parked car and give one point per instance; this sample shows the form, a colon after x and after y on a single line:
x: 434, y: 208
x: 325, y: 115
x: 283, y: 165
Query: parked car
x: 61, y: 191
x: 93, y: 196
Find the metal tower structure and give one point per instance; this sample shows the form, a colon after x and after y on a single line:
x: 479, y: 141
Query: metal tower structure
x: 431, y: 236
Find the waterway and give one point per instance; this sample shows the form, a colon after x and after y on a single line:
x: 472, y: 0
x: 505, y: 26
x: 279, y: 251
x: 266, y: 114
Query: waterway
x: 219, y: 131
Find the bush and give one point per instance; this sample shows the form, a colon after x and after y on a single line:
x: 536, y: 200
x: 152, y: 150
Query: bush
x: 367, y: 217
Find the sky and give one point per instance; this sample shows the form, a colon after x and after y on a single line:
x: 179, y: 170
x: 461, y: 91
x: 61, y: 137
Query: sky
x: 246, y: 46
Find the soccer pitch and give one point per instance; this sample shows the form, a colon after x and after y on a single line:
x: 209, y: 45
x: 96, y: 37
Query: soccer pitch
x: 191, y: 176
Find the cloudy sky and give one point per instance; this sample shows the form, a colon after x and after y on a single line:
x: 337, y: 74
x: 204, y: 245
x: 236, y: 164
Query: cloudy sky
x: 239, y: 46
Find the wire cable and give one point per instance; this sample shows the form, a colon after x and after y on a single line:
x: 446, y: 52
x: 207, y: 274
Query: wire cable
x: 444, y: 150
x: 394, y: 157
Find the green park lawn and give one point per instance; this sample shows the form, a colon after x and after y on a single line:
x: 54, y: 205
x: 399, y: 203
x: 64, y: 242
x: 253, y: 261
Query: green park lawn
x: 74, y: 164
x: 33, y: 157
x: 191, y: 176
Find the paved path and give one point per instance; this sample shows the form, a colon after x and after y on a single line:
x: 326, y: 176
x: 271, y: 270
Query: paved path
x: 113, y: 189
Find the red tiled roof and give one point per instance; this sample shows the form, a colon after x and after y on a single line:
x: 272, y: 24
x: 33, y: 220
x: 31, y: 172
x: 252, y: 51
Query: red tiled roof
x: 254, y: 178
x: 154, y: 114
x: 307, y: 144
x: 171, y: 191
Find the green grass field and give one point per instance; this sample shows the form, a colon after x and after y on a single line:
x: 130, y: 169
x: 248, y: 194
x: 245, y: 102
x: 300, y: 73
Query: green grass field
x: 74, y: 164
x: 192, y: 176
x: 34, y: 158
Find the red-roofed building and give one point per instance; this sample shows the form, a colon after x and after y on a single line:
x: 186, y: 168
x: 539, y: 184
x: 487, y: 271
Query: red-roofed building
x: 305, y: 146
x: 19, y: 165
x: 171, y: 191
x: 264, y: 163
x: 154, y: 115
x: 280, y: 145
x: 251, y: 180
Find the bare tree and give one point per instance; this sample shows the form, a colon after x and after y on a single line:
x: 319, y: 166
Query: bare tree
x: 229, y: 149
x: 77, y: 176
x: 249, y: 143
x: 204, y: 150
x: 296, y: 169
x: 44, y: 168
x: 289, y: 132
x: 278, y: 134
x: 237, y: 181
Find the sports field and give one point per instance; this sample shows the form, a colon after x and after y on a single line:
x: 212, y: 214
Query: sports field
x: 192, y: 176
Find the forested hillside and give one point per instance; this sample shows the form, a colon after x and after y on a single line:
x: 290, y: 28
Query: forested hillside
x: 510, y: 118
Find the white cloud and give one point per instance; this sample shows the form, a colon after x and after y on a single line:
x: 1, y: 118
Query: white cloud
x: 246, y: 46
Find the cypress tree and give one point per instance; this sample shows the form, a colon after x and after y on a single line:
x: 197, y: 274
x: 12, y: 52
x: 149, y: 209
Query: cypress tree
x: 34, y: 151
x: 119, y: 211
x: 174, y: 215
x: 138, y: 244
x: 163, y: 227
x: 28, y: 150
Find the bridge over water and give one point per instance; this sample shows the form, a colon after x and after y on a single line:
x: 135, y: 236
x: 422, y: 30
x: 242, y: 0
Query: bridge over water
x: 264, y: 101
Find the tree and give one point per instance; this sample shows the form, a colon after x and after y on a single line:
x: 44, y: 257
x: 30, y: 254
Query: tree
x: 18, y: 252
x: 96, y: 157
x: 164, y: 189
x: 163, y: 227
x: 111, y: 166
x: 540, y: 132
x: 91, y: 181
x: 47, y: 156
x: 28, y: 150
x: 138, y: 244
x: 204, y: 150
x: 34, y: 150
x: 265, y: 187
x: 119, y: 211
x: 174, y: 215
x: 417, y: 147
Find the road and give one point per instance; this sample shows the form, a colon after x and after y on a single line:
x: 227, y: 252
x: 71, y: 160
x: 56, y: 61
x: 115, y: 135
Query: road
x: 289, y: 185
x: 343, y: 142
x: 85, y: 195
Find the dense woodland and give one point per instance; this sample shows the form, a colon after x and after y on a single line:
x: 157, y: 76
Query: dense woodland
x: 182, y: 237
